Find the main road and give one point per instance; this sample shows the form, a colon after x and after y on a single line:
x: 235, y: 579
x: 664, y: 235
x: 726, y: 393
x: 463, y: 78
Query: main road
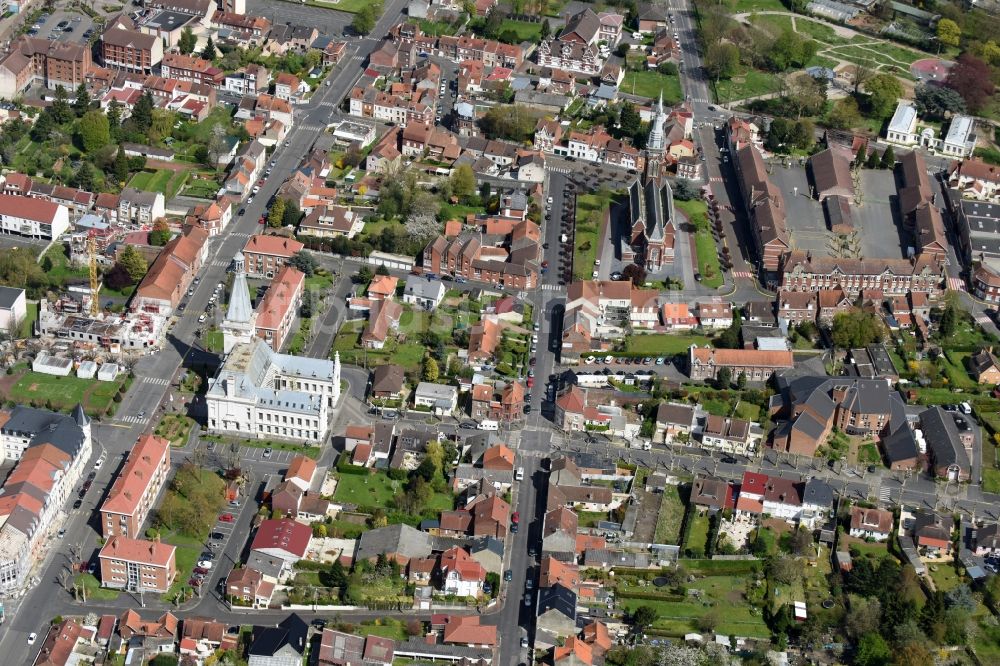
x: 142, y: 405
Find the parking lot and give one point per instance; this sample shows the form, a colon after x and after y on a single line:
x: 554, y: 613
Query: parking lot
x: 221, y: 451
x: 63, y: 26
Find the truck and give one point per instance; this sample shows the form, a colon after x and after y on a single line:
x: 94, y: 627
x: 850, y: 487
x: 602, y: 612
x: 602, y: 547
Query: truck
x: 487, y: 424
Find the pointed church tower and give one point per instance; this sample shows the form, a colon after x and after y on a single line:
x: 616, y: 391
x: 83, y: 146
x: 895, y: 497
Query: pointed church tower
x: 241, y: 320
x: 657, y: 139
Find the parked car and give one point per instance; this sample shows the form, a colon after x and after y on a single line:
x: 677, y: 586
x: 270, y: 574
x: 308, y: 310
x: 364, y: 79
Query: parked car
x: 226, y: 518
x: 32, y: 637
x: 508, y: 575
x: 267, y: 452
x: 200, y: 570
x: 205, y: 564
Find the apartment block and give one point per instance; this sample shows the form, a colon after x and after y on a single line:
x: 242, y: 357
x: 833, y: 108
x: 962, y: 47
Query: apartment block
x: 137, y: 565
x: 134, y: 492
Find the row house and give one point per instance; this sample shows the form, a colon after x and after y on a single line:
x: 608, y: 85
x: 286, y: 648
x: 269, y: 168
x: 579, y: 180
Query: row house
x: 764, y: 204
x: 426, y: 139
x: 578, y: 410
x: 487, y: 51
x: 331, y: 222
x: 807, y: 503
x: 247, y: 168
x: 243, y: 29
x: 250, y: 80
x: 265, y: 255
x: 191, y: 68
x: 277, y: 311
x: 170, y: 275
x: 504, y: 405
x: 735, y: 436
x: 290, y: 88
x: 139, y: 206
x: 599, y: 146
x: 801, y: 271
x: 514, y: 265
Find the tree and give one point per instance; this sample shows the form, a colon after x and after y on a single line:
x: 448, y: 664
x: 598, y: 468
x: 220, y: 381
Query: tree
x: 884, y: 91
x: 276, y: 216
x: 845, y: 113
x: 133, y: 263
x: 722, y: 60
x: 93, y: 131
x: 546, y: 30
x: 629, y: 120
x: 422, y: 227
x: 856, y: 328
x: 872, y: 651
x: 951, y: 317
x: 888, y: 160
x: 365, y: 20
x: 142, y: 113
x: 463, y: 181
x: 364, y: 275
x: 806, y: 95
x: 634, y: 273
x: 516, y: 123
x: 667, y: 68
x: 785, y: 570
x: 873, y: 161
x: 292, y: 213
x: 303, y: 261
x: 864, y: 68
x: 43, y: 127
x: 971, y: 78
x: 643, y: 617
x: 431, y: 372
x: 209, y: 53
x: 84, y: 178
x: 485, y: 192
x: 82, y: 102
x: 160, y: 234
x: 685, y: 190
x: 114, y: 117
x: 801, y: 541
x: 120, y: 168
x: 187, y: 41
x: 60, y: 109
x: 724, y: 378
x: 938, y: 102
x: 948, y: 32
x: 960, y: 597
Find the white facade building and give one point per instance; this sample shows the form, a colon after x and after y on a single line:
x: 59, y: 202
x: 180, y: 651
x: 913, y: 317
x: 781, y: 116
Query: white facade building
x: 36, y: 218
x: 902, y: 129
x: 960, y: 142
x: 263, y: 394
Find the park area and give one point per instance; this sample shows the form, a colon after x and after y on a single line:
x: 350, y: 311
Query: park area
x: 590, y: 212
x: 696, y: 212
x: 650, y: 83
x: 376, y: 491
x: 396, y: 350
x: 26, y: 387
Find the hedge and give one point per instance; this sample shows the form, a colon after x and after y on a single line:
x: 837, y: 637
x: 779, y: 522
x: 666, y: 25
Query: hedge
x: 651, y: 596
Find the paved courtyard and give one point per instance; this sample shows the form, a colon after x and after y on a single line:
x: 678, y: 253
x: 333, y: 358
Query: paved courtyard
x: 737, y: 531
x: 875, y: 218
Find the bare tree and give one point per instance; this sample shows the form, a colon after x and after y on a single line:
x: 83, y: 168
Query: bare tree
x: 864, y: 69
x: 64, y: 578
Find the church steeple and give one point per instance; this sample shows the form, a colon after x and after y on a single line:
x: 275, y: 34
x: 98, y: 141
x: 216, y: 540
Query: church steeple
x: 241, y: 320
x: 657, y: 140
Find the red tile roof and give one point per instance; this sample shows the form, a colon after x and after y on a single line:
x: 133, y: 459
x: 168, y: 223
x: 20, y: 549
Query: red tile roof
x: 272, y: 245
x: 152, y: 553
x: 280, y: 297
x: 283, y: 534
x: 466, y: 630
x: 37, y: 210
x: 140, y: 469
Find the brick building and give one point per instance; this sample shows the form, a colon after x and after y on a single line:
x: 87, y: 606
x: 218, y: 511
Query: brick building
x: 136, y: 488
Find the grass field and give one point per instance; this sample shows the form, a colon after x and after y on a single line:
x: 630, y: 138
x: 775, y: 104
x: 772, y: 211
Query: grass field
x: 213, y: 340
x: 668, y: 521
x: 698, y: 536
x: 589, y: 215
x: 176, y: 428
x: 649, y: 83
x: 57, y: 266
x: 349, y: 6
x: 526, y: 32
x: 663, y: 345
x: 991, y: 474
x: 407, y: 354
x: 743, y: 6
x: 63, y: 393
x: 162, y: 180
x: 953, y: 365
x: 708, y: 253
x: 375, y: 491
x: 750, y: 84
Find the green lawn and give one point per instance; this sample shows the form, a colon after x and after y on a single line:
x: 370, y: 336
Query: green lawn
x: 750, y: 84
x: 308, y: 451
x: 407, y: 354
x: 668, y: 521
x: 868, y: 453
x: 696, y: 212
x: 93, y: 588
x: 30, y: 317
x: 953, y: 365
x: 64, y: 392
x: 56, y: 264
x: 663, y: 345
x: 201, y: 189
x: 437, y: 28
x: 991, y: 474
x: 698, y: 536
x: 448, y: 212
x: 590, y: 518
x: 590, y: 210
x: 526, y: 32
x: 944, y: 576
x: 164, y: 181
x: 371, y: 491
x: 213, y: 340
x: 176, y: 428
x: 649, y: 84
x: 744, y: 6
x: 349, y: 6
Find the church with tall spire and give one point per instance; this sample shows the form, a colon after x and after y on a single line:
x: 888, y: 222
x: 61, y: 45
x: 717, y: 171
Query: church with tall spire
x: 240, y: 323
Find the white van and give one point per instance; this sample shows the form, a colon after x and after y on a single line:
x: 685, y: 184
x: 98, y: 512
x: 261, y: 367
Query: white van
x: 488, y: 425
x: 520, y: 474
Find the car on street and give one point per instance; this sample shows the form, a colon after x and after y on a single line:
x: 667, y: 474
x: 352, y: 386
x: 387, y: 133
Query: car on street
x: 467, y: 425
x: 217, y: 536
x: 234, y: 502
x: 77, y: 504
x: 531, y: 382
x: 516, y: 517
x: 202, y: 318
x: 226, y: 518
x: 205, y: 564
x: 533, y: 361
x: 32, y: 637
x: 513, y: 529
x: 527, y: 600
x: 729, y: 460
x: 508, y: 575
x: 267, y: 452
x: 200, y: 570
x: 61, y: 533
x: 527, y: 409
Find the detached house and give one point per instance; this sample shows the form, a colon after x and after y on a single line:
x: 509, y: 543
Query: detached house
x: 875, y: 524
x: 460, y: 574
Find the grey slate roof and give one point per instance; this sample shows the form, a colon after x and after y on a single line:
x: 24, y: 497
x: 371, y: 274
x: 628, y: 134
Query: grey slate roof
x: 396, y: 539
x: 558, y: 598
x: 8, y: 295
x: 43, y: 426
x: 942, y: 438
x: 818, y: 492
x: 900, y: 446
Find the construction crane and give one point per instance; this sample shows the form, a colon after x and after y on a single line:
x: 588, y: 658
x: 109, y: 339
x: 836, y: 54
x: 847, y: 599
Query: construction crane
x: 92, y: 261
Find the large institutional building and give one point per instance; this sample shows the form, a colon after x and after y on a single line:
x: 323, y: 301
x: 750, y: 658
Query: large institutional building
x: 263, y: 394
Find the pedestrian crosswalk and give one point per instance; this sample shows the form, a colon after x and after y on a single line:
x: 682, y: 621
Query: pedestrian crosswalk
x: 551, y: 287
x: 746, y: 275
x: 158, y: 381
x: 715, y: 179
x: 884, y: 494
x: 956, y: 284
x: 130, y: 419
x: 220, y: 263
x: 560, y: 169
x: 240, y: 234
x: 983, y: 320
